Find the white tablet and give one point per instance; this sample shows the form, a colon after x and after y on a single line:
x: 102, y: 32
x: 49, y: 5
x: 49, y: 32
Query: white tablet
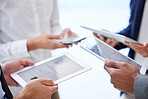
x: 108, y: 52
x: 57, y: 69
x: 118, y: 37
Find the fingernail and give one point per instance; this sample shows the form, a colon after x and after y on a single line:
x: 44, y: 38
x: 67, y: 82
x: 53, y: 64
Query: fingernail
x: 107, y: 61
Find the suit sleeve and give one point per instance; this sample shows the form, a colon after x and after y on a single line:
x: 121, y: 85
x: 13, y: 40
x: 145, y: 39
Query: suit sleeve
x: 126, y: 32
x: 141, y: 87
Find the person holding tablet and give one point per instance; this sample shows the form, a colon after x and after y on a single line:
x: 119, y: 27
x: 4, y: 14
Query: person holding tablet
x: 127, y: 78
x: 35, y: 89
x: 27, y: 29
x: 137, y: 30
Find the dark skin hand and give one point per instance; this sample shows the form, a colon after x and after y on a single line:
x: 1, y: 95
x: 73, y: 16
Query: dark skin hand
x: 109, y: 41
x: 122, y: 75
x: 142, y: 49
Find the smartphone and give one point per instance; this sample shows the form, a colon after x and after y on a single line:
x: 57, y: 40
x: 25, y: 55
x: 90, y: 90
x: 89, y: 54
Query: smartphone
x: 71, y: 40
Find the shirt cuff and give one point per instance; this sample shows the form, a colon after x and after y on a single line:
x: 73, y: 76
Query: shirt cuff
x: 19, y: 49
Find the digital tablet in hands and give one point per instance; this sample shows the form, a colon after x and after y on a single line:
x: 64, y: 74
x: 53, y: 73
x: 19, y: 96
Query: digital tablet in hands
x: 118, y: 37
x: 58, y: 69
x: 108, y: 52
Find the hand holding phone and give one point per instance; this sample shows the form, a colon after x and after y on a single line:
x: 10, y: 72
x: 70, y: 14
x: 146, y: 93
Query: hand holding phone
x: 71, y: 40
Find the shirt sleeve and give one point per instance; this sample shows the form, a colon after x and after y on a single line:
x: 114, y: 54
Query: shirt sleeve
x: 13, y: 50
x: 55, y: 26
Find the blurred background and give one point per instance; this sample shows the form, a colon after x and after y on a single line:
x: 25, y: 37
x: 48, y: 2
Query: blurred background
x: 112, y: 15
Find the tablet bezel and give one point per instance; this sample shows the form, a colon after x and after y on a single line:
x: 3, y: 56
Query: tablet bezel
x: 118, y: 37
x: 117, y: 52
x: 22, y: 82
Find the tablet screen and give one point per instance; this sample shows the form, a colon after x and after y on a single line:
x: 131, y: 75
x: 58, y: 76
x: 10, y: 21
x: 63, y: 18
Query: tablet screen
x: 108, y: 52
x: 54, y: 69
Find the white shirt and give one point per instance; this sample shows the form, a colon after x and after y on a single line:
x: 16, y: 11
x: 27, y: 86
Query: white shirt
x: 24, y: 19
x: 143, y: 36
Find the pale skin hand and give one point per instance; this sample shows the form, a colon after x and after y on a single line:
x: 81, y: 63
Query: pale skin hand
x: 38, y: 89
x: 122, y: 75
x: 13, y: 66
x: 45, y: 41
x: 142, y: 49
x: 67, y: 33
x: 109, y: 41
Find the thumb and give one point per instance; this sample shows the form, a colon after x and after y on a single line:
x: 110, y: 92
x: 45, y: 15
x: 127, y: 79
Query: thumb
x: 49, y: 36
x: 26, y: 62
x: 113, y: 64
x: 47, y: 82
x: 53, y: 88
x: 146, y: 44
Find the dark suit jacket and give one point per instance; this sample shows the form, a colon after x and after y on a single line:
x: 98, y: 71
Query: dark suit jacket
x: 132, y: 30
x: 5, y: 86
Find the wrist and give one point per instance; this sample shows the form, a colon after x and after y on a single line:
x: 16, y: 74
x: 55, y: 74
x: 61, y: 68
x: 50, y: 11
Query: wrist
x: 21, y: 95
x: 31, y: 45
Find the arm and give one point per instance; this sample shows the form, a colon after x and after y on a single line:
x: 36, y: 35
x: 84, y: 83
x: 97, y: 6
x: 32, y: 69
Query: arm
x: 13, y: 50
x: 10, y: 50
x: 141, y: 87
x: 38, y: 89
x: 127, y: 30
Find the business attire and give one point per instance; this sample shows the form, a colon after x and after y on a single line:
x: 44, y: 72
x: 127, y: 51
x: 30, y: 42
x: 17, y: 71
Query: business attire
x: 4, y: 90
x: 132, y: 30
x: 136, y: 30
x: 21, y: 20
x: 141, y: 87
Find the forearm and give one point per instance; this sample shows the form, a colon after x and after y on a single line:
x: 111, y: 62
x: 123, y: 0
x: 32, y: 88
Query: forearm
x: 21, y: 95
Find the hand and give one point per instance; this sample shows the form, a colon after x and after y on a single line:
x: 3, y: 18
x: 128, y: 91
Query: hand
x: 38, y: 89
x: 139, y: 48
x: 109, y: 41
x: 122, y: 75
x: 45, y: 41
x: 146, y: 44
x: 13, y: 66
x: 67, y: 33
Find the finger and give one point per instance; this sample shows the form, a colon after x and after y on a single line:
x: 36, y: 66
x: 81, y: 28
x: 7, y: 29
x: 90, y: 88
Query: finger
x: 50, y: 36
x: 108, y: 41
x: 26, y: 62
x: 74, y: 35
x: 102, y: 38
x: 113, y: 43
x: 109, y: 69
x: 113, y: 64
x: 53, y: 88
x: 126, y: 43
x: 47, y: 82
x: 146, y: 44
x: 96, y: 35
x: 60, y: 45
